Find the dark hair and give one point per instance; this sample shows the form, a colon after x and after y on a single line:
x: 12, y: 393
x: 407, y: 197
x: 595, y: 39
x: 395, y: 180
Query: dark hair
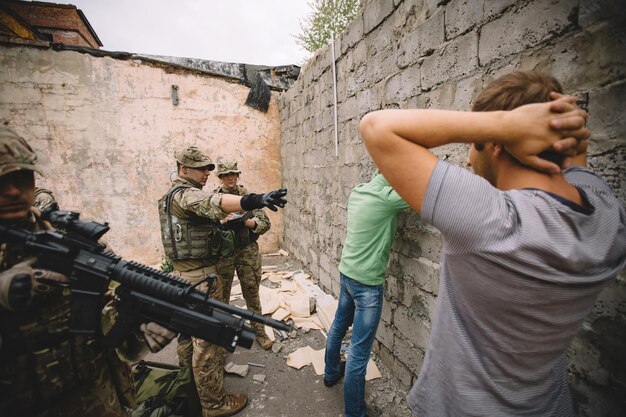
x: 517, y: 89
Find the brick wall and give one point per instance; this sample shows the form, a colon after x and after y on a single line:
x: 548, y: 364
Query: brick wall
x: 440, y: 54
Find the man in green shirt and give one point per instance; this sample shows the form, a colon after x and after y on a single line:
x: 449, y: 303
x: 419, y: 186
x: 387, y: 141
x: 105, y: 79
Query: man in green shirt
x: 372, y: 222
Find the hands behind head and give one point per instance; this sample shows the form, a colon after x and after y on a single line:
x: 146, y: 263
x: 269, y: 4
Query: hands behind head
x: 557, y: 126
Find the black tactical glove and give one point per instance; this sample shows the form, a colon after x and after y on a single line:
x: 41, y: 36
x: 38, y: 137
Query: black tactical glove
x: 235, y: 224
x: 271, y: 200
x: 21, y: 282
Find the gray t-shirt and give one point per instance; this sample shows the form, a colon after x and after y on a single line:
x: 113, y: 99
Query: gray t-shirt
x: 520, y: 270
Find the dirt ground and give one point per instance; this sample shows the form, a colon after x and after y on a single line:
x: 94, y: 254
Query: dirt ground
x: 288, y: 392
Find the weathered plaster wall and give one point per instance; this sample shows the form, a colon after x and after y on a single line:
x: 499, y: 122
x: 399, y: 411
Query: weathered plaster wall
x: 106, y: 129
x: 440, y: 54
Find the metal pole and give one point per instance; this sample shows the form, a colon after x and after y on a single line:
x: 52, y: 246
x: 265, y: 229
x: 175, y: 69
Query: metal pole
x: 332, y: 51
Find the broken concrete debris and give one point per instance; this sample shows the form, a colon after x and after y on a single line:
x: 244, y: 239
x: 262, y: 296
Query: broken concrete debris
x: 241, y: 370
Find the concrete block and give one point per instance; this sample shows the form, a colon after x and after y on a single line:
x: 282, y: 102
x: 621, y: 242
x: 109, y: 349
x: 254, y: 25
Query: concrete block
x: 524, y: 28
x: 493, y: 8
x: 593, y: 11
x: 455, y: 59
x: 369, y: 99
x: 378, y: 41
x: 433, y: 32
x: 384, y: 334
x: 403, y: 373
x: 380, y: 65
x: 352, y: 35
x: 325, y: 280
x: 324, y: 261
x: 403, y: 85
x: 385, y: 355
x: 426, y: 37
x: 348, y: 109
x: 387, y: 311
x: 462, y: 16
x: 354, y: 82
x: 422, y: 273
x: 391, y: 287
x: 374, y: 15
x: 411, y: 327
x: 408, y: 354
x: 335, y: 286
x: 430, y: 241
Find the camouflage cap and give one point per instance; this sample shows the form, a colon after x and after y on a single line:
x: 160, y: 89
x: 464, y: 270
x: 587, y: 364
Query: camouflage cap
x: 15, y: 153
x: 193, y: 157
x: 227, y: 166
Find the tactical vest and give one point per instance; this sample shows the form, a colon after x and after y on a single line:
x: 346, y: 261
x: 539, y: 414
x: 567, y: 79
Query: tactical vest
x: 188, y: 236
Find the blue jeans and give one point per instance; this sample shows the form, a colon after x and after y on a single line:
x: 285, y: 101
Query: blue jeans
x: 360, y: 306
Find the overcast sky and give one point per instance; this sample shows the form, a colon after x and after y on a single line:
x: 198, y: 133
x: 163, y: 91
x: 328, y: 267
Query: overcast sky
x: 242, y: 31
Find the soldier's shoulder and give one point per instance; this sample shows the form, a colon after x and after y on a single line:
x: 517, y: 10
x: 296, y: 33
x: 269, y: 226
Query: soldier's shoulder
x: 242, y: 190
x: 41, y: 190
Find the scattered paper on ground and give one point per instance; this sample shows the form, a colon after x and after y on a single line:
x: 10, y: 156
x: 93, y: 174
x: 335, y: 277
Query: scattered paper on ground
x: 277, y: 276
x: 298, y: 305
x: 372, y: 371
x: 326, y: 309
x: 283, y: 252
x: 317, y: 359
x: 288, y: 286
x: 281, y: 314
x: 300, y: 358
x: 297, y: 296
x: 312, y: 322
x: 307, y: 356
x: 269, y: 299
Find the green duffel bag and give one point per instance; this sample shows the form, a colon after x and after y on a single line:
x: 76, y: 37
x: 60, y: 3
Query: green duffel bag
x: 165, y: 391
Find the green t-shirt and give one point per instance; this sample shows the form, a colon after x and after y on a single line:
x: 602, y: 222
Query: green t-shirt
x: 372, y: 221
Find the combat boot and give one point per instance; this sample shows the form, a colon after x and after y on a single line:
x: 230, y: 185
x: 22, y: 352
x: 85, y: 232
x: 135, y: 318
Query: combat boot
x: 233, y: 403
x: 265, y: 342
x: 261, y: 337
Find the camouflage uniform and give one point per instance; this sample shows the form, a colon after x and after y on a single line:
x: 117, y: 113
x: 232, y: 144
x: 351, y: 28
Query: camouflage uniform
x: 44, y: 370
x: 43, y: 199
x: 195, y: 210
x: 246, y: 259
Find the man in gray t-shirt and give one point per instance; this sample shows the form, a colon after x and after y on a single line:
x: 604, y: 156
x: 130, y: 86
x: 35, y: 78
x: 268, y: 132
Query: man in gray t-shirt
x: 525, y: 252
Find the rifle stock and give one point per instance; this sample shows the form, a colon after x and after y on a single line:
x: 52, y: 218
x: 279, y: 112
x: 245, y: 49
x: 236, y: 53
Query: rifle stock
x: 144, y: 294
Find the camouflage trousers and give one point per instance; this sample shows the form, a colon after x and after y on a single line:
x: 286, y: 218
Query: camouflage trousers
x: 247, y: 262
x: 206, y: 359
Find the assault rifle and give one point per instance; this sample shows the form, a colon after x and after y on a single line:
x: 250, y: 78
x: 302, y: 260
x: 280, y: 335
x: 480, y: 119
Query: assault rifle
x: 144, y: 294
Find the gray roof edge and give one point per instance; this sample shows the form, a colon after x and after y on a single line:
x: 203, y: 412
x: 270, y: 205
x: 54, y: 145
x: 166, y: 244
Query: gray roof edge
x: 277, y: 78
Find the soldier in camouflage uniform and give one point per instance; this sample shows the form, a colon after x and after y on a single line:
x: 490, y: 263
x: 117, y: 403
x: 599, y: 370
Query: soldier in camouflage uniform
x: 44, y: 370
x: 194, y: 240
x: 44, y: 199
x: 246, y: 258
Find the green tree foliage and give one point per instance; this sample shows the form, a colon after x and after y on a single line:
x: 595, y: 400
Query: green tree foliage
x: 329, y: 16
x: 166, y: 264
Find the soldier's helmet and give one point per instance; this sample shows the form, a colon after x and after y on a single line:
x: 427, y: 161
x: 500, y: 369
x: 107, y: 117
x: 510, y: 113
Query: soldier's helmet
x: 227, y: 166
x: 15, y: 153
x: 193, y: 157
